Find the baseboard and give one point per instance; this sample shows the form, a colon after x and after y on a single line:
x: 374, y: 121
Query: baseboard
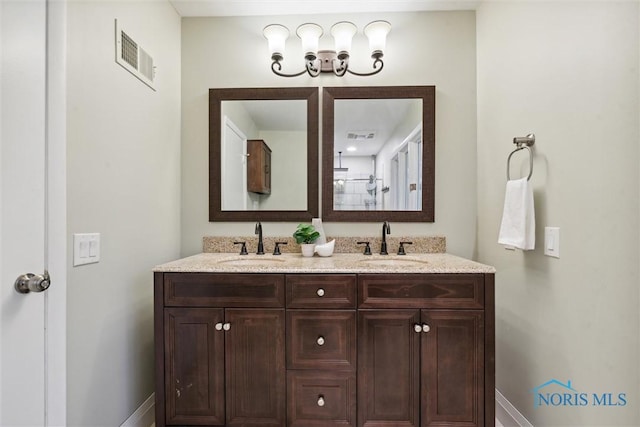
x: 507, y: 414
x: 144, y: 416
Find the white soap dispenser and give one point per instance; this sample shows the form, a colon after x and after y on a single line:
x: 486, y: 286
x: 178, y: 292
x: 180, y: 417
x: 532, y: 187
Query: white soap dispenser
x: 317, y: 223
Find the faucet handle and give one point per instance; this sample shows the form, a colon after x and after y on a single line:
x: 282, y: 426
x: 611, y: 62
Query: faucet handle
x: 367, y: 248
x: 243, y: 249
x: 401, y: 247
x: 276, y: 250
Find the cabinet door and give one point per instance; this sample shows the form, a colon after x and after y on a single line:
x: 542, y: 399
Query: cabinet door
x: 388, y: 368
x: 453, y: 368
x: 255, y: 367
x: 258, y: 167
x: 194, y: 366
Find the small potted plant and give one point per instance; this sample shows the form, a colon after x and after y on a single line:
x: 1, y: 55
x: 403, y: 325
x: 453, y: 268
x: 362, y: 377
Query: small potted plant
x: 305, y: 236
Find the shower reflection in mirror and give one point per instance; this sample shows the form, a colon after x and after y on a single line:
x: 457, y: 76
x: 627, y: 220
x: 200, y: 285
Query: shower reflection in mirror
x: 379, y: 169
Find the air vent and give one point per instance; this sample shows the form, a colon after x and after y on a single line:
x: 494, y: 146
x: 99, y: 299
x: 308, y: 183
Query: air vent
x: 133, y: 57
x: 361, y: 135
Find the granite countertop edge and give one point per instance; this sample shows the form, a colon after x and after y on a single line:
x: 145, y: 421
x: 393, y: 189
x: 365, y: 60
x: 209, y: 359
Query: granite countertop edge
x: 337, y: 263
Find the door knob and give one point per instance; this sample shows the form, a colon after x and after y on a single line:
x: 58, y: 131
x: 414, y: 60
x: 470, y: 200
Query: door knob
x: 32, y: 282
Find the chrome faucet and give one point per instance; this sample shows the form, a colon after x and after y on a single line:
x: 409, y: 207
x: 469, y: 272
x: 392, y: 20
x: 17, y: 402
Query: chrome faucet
x: 386, y: 229
x: 258, y: 231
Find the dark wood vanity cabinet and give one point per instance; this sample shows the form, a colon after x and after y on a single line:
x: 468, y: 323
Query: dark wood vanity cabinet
x: 421, y: 350
x: 223, y: 365
x: 258, y: 166
x: 322, y: 350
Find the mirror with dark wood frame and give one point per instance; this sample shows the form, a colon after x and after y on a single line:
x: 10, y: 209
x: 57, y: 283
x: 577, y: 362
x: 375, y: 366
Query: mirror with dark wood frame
x: 251, y: 171
x: 378, y: 153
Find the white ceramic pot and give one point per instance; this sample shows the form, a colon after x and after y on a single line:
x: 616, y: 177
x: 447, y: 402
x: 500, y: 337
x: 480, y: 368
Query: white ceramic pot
x: 307, y: 249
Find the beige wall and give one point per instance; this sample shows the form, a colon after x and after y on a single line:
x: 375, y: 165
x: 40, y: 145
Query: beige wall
x: 423, y: 49
x: 123, y: 157
x: 567, y: 71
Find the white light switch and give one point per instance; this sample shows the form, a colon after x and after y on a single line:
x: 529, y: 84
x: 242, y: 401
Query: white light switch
x: 86, y: 248
x: 552, y: 241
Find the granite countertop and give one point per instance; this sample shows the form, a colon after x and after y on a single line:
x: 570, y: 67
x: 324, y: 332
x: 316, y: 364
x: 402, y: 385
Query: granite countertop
x: 337, y: 263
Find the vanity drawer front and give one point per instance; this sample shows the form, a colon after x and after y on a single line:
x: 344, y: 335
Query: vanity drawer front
x: 321, y: 339
x: 321, y: 399
x: 224, y: 290
x: 421, y: 291
x: 321, y: 291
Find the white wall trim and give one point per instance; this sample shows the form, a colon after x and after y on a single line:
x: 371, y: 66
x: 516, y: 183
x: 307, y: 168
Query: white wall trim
x: 507, y: 414
x: 144, y: 416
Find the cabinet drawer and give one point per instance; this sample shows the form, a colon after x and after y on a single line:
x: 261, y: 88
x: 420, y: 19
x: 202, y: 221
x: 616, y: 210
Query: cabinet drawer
x: 421, y: 291
x: 321, y: 339
x: 321, y: 291
x: 224, y: 290
x: 321, y: 399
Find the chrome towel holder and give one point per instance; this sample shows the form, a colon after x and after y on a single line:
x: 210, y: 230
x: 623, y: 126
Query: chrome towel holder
x: 523, y: 142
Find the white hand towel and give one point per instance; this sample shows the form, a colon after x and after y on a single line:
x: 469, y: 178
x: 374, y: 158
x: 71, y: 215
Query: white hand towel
x: 518, y: 227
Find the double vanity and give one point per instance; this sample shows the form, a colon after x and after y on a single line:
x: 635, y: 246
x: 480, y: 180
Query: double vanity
x: 347, y: 340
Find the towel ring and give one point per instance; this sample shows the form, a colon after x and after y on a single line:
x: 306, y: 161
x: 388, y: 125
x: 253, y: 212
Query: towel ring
x: 522, y: 143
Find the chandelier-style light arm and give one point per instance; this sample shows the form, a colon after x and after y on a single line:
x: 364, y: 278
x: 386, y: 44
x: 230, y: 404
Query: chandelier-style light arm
x: 312, y: 67
x: 276, y: 67
x: 377, y: 62
x: 340, y: 64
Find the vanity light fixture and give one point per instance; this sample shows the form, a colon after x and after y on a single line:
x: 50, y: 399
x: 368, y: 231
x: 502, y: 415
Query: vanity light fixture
x: 326, y: 61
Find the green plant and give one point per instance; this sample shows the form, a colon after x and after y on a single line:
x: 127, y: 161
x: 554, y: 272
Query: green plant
x: 306, y: 233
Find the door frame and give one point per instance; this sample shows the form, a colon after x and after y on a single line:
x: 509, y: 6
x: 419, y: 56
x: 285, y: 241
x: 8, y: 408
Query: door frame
x: 56, y: 214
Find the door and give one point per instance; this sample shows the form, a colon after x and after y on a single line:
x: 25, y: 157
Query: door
x: 255, y: 368
x: 32, y: 367
x: 194, y: 366
x: 452, y: 373
x: 388, y: 368
x: 234, y: 168
x: 22, y: 211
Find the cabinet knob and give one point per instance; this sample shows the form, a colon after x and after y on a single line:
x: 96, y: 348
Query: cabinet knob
x: 320, y: 292
x: 425, y: 327
x: 417, y: 328
x: 320, y: 340
x: 219, y: 326
x: 226, y: 326
x: 320, y: 400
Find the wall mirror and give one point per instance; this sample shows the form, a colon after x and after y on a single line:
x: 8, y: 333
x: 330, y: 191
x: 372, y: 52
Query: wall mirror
x: 263, y: 154
x: 378, y: 153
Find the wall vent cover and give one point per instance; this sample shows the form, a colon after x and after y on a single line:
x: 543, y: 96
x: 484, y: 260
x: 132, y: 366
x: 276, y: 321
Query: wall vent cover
x: 133, y: 57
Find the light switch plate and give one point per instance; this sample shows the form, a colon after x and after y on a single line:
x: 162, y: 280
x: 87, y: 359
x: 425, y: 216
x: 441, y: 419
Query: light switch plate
x: 86, y: 248
x: 552, y: 241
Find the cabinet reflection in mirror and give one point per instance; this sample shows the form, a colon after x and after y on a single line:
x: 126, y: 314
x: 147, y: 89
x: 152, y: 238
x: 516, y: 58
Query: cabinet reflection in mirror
x: 378, y: 153
x: 263, y: 154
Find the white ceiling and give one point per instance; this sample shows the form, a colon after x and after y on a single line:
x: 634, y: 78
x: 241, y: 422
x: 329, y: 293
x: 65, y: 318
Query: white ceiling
x: 302, y: 7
